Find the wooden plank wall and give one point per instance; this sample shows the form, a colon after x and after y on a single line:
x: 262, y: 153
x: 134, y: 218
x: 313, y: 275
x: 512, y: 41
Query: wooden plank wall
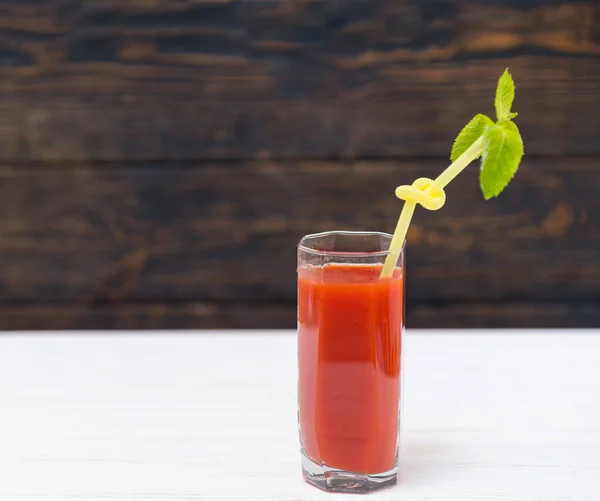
x: 159, y: 160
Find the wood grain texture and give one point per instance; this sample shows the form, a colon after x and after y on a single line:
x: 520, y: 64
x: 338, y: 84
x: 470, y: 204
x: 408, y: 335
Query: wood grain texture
x: 160, y: 315
x: 159, y: 159
x: 504, y: 416
x: 233, y: 315
x: 110, y: 80
x: 223, y: 232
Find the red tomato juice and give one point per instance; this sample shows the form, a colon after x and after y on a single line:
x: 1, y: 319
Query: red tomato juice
x: 349, y: 343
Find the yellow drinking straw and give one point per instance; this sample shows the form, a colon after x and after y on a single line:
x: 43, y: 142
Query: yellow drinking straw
x: 501, y: 148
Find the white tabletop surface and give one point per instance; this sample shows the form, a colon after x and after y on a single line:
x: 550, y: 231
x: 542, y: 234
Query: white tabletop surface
x: 488, y: 416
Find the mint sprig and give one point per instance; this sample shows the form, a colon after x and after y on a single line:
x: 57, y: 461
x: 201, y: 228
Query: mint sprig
x: 499, y: 144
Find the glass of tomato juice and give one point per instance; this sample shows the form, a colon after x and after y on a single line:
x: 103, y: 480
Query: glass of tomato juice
x: 350, y: 328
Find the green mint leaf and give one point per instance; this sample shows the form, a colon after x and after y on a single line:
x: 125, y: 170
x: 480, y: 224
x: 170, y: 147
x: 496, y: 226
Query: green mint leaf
x: 470, y: 133
x: 502, y: 153
x: 505, y: 95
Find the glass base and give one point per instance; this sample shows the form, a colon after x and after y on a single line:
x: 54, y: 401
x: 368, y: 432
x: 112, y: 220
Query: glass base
x: 333, y: 480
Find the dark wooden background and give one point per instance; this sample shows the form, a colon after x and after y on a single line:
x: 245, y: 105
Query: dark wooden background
x: 160, y: 159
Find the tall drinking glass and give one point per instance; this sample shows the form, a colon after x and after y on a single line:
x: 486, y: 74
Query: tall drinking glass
x: 350, y: 327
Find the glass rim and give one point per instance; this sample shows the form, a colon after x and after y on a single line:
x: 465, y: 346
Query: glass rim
x: 304, y: 248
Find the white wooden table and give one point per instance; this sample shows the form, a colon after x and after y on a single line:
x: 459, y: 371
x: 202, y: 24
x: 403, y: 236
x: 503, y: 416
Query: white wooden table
x: 182, y: 416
